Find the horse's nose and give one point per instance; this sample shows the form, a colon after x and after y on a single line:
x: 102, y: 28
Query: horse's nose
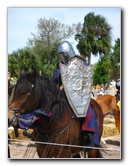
x: 12, y: 119
x: 13, y: 122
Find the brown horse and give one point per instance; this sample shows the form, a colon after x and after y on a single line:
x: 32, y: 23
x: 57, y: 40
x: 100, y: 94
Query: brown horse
x: 58, y: 125
x: 109, y: 106
x: 11, y: 88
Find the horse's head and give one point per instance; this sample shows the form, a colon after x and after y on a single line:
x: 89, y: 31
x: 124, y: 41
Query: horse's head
x: 32, y: 93
x: 24, y: 100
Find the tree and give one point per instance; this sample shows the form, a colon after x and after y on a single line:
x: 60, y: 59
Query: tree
x: 22, y: 58
x: 44, y: 44
x: 115, y: 60
x: 95, y: 36
x: 13, y: 64
x: 102, y: 70
x: 49, y: 34
x: 108, y: 67
x: 116, y: 50
x: 41, y: 50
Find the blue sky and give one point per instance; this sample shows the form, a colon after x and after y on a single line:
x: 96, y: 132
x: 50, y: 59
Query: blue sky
x: 23, y: 21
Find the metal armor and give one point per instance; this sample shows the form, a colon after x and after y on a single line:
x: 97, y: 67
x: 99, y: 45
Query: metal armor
x: 65, y: 51
x: 77, y: 82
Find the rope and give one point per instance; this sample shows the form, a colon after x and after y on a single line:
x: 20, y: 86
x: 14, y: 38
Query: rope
x: 57, y: 144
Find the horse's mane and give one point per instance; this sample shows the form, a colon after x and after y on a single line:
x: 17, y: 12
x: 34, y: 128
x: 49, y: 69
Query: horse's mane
x: 51, y: 98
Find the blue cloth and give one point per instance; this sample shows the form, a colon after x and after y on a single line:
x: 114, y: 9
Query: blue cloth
x: 89, y: 121
x: 30, y: 120
x: 96, y: 135
x: 56, y: 76
x: 90, y: 124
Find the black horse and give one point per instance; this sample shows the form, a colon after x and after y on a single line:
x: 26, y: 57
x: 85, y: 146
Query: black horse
x: 57, y: 124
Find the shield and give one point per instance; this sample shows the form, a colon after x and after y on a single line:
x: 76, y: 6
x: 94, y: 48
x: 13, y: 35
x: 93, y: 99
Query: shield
x: 77, y: 82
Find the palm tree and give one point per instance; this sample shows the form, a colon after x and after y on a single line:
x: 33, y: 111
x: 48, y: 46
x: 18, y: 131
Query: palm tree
x: 95, y: 36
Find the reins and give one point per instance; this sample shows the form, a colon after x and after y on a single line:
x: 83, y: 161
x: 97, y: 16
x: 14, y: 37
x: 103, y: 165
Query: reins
x: 46, y: 136
x: 49, y: 136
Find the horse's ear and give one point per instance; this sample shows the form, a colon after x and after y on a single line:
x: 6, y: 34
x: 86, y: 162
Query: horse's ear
x: 35, y: 73
x: 33, y: 76
x: 23, y: 71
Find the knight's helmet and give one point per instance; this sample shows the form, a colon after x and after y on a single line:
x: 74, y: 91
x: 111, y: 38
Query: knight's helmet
x: 65, y: 51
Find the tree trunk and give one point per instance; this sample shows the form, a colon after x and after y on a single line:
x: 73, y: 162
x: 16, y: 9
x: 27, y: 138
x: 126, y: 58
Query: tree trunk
x: 89, y: 58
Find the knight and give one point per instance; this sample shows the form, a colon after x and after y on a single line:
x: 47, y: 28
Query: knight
x: 73, y: 72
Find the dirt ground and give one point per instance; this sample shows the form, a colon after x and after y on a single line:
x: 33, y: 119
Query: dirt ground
x: 114, y: 144
x: 111, y: 149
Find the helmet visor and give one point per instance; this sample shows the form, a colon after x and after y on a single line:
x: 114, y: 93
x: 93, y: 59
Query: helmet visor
x: 63, y: 57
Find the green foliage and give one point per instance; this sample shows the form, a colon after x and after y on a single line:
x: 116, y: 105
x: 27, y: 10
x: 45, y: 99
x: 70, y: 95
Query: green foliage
x: 115, y: 60
x: 108, y: 67
x: 95, y: 36
x: 49, y: 35
x: 102, y: 71
x: 41, y: 52
x: 21, y: 58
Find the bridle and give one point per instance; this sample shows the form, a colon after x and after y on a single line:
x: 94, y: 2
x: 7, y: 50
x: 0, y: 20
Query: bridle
x: 46, y: 137
x: 16, y: 110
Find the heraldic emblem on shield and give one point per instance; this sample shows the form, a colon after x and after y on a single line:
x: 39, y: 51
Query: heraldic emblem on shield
x: 77, y: 82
